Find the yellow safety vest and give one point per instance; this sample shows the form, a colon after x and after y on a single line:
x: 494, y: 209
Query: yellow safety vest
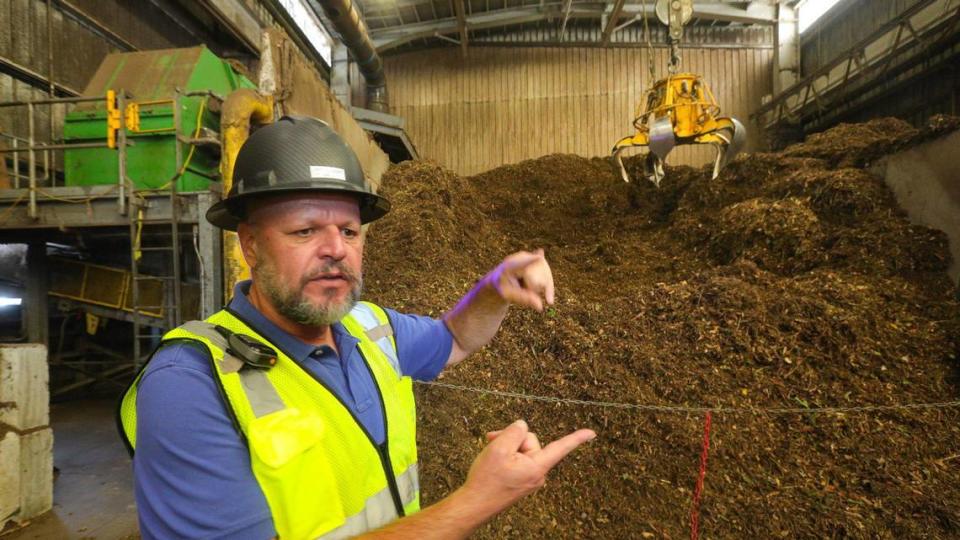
x: 320, y: 470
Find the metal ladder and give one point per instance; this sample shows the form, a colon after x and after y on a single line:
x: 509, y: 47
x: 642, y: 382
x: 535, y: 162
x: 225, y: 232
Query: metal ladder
x: 138, y: 205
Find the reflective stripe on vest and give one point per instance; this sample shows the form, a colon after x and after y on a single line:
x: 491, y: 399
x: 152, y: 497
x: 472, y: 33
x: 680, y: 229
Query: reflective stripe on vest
x: 263, y: 397
x: 379, y: 509
x: 377, y: 330
x: 319, y: 469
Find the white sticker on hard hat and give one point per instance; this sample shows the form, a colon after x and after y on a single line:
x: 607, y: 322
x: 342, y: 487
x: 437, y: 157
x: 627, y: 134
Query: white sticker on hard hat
x: 333, y: 173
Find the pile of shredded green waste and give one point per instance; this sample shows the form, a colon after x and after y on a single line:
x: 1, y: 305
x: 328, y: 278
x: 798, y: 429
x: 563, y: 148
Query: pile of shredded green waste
x: 791, y: 281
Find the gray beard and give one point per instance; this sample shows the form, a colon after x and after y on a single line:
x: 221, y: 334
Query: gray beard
x: 291, y: 303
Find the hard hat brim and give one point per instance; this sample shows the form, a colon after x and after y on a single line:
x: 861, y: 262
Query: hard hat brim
x: 228, y: 213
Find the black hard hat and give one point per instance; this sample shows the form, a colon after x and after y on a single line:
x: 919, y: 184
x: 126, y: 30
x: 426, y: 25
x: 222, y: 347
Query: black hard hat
x: 296, y: 153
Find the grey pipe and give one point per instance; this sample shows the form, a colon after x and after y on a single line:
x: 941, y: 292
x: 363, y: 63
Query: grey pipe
x: 353, y: 32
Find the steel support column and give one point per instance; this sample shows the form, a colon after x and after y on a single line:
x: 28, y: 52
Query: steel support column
x: 210, y: 254
x: 340, y: 74
x: 786, y: 39
x: 34, y: 309
x: 461, y: 24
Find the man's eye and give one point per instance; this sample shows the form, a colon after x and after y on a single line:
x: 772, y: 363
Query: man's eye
x: 303, y: 233
x: 350, y: 233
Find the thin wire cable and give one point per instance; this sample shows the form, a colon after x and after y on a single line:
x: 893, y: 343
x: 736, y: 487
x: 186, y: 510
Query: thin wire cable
x: 8, y: 211
x: 646, y: 36
x: 186, y: 162
x: 685, y: 409
x: 201, y: 267
x: 84, y: 200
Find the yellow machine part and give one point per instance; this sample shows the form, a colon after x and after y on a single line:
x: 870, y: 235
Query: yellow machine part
x: 240, y: 109
x: 93, y: 322
x: 689, y: 102
x: 104, y: 286
x: 682, y: 110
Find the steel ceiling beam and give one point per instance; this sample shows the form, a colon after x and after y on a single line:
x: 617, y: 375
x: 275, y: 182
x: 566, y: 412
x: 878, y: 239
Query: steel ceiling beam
x: 90, y: 23
x: 34, y: 79
x: 874, y: 61
x: 566, y: 16
x: 236, y: 18
x: 390, y: 37
x: 611, y: 20
x: 461, y: 24
x: 754, y: 13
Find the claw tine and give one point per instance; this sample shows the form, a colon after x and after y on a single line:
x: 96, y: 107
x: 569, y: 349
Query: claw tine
x: 653, y: 169
x: 734, y: 138
x: 659, y: 172
x: 623, y: 169
x: 719, y: 161
x: 739, y: 136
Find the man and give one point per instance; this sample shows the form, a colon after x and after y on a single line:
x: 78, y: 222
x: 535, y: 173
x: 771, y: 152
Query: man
x: 290, y: 413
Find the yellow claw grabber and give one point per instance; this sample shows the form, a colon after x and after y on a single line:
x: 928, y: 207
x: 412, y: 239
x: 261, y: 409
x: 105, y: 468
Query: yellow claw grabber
x: 680, y: 109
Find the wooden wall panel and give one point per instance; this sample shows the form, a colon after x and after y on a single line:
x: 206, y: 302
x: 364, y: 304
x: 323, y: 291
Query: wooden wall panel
x: 307, y: 94
x: 501, y: 105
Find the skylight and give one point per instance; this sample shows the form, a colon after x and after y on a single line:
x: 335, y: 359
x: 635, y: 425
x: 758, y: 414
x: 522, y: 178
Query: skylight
x: 808, y: 11
x: 305, y: 19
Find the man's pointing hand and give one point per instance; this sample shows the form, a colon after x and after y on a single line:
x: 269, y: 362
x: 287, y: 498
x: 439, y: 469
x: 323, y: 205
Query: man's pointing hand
x: 525, y: 279
x: 514, y: 464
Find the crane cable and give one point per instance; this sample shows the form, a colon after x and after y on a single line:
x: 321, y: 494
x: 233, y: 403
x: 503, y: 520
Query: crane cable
x: 646, y: 37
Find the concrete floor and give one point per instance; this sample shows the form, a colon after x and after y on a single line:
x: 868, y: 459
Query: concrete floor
x: 93, y: 493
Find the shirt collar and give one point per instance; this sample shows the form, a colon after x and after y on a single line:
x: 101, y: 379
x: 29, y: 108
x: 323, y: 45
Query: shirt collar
x: 290, y: 344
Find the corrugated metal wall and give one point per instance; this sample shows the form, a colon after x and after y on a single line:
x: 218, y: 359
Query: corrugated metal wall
x: 635, y: 35
x: 23, y: 41
x: 501, y: 105
x: 916, y: 96
x: 843, y: 27
x: 77, y: 49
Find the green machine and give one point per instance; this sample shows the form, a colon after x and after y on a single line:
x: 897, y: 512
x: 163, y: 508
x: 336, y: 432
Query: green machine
x: 149, y: 81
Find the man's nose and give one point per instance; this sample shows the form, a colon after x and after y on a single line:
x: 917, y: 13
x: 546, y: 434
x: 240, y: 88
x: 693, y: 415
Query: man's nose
x: 331, y: 243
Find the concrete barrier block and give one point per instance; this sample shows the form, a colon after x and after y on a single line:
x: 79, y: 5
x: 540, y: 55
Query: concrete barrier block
x: 36, y: 473
x: 24, y: 386
x: 9, y: 476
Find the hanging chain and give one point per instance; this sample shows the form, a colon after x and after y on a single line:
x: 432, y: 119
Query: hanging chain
x: 674, y: 41
x: 674, y: 66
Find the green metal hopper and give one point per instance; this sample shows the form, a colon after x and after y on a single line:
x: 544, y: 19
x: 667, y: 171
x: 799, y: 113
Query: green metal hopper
x: 151, y: 79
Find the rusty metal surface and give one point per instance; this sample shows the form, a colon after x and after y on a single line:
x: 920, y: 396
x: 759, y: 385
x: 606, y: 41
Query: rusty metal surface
x: 145, y: 74
x: 24, y: 41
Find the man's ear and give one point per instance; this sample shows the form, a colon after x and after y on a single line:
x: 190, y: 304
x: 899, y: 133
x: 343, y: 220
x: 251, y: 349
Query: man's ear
x: 246, y: 233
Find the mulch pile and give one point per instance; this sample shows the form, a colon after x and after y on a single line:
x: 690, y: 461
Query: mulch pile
x: 793, y: 280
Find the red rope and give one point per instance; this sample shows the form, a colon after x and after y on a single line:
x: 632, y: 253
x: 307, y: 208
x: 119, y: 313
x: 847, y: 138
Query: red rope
x: 698, y: 490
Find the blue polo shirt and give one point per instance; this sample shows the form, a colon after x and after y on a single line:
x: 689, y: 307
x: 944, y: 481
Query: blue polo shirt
x: 192, y: 475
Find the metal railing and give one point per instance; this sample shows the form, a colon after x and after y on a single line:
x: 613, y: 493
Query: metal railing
x: 14, y: 143
x: 33, y: 147
x: 120, y: 124
x: 910, y: 33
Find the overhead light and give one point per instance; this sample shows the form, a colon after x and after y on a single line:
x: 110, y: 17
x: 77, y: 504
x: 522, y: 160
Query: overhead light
x: 7, y: 301
x: 808, y: 11
x: 305, y: 19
